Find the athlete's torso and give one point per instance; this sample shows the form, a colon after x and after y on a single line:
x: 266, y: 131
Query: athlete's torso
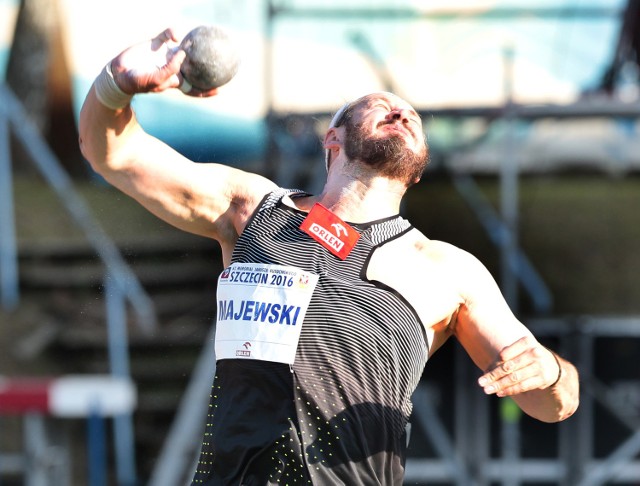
x: 338, y: 414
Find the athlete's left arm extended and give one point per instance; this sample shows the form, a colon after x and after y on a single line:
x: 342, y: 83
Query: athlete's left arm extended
x: 515, y: 364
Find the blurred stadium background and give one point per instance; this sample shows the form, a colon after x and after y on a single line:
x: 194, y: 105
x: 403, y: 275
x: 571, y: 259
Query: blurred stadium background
x: 531, y: 108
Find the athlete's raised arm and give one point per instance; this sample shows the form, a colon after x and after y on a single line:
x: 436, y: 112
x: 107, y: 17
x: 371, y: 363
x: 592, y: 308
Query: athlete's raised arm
x: 207, y: 199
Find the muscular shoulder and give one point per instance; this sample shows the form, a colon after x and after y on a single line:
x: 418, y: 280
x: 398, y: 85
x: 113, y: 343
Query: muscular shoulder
x: 423, y: 271
x: 441, y: 253
x: 248, y: 191
x: 226, y: 198
x: 435, y: 263
x: 461, y: 269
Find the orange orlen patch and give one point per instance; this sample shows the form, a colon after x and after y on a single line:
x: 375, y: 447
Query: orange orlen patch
x: 330, y: 231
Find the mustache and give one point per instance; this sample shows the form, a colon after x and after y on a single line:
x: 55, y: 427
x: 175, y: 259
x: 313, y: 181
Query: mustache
x: 400, y: 123
x: 388, y: 122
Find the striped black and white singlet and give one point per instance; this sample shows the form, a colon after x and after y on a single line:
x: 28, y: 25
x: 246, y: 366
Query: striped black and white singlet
x: 338, y: 416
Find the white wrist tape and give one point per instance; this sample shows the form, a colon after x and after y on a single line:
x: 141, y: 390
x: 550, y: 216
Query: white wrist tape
x: 108, y: 92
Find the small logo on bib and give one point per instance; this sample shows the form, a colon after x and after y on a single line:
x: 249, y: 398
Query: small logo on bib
x: 330, y: 231
x: 245, y: 353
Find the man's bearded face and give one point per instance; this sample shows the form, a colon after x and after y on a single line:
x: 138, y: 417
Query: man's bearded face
x: 389, y: 154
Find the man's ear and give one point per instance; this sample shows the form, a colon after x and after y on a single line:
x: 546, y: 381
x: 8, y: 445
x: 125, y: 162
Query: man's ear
x: 331, y: 147
x: 332, y: 139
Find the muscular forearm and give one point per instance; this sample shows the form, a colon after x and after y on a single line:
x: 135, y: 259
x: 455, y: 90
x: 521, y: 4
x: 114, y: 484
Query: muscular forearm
x: 556, y: 402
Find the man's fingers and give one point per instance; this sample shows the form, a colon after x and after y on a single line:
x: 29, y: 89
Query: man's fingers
x: 520, y: 346
x: 510, y: 359
x: 507, y: 388
x: 518, y: 380
x: 163, y: 37
x: 497, y: 381
x: 525, y: 365
x: 167, y: 76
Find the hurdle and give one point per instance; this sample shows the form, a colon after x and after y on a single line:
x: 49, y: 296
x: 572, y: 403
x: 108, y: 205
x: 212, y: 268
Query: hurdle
x: 93, y: 398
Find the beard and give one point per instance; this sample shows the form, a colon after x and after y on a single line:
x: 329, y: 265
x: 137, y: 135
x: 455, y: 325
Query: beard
x: 389, y: 155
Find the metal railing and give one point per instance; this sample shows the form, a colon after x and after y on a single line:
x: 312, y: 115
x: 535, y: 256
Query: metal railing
x: 463, y: 457
x: 13, y: 116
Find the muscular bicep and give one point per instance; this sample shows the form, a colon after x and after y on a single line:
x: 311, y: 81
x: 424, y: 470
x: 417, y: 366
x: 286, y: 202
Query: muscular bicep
x: 206, y: 199
x: 203, y: 198
x: 485, y: 324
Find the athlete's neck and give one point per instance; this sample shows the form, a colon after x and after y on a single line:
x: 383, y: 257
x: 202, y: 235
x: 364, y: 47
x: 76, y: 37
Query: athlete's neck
x: 357, y: 200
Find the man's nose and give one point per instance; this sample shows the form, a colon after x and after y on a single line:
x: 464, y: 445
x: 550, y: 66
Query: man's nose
x: 398, y: 115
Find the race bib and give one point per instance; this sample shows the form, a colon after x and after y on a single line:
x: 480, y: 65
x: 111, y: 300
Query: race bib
x: 260, y: 311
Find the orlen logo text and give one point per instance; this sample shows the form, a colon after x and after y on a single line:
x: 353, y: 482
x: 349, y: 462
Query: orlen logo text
x: 329, y: 238
x: 246, y: 351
